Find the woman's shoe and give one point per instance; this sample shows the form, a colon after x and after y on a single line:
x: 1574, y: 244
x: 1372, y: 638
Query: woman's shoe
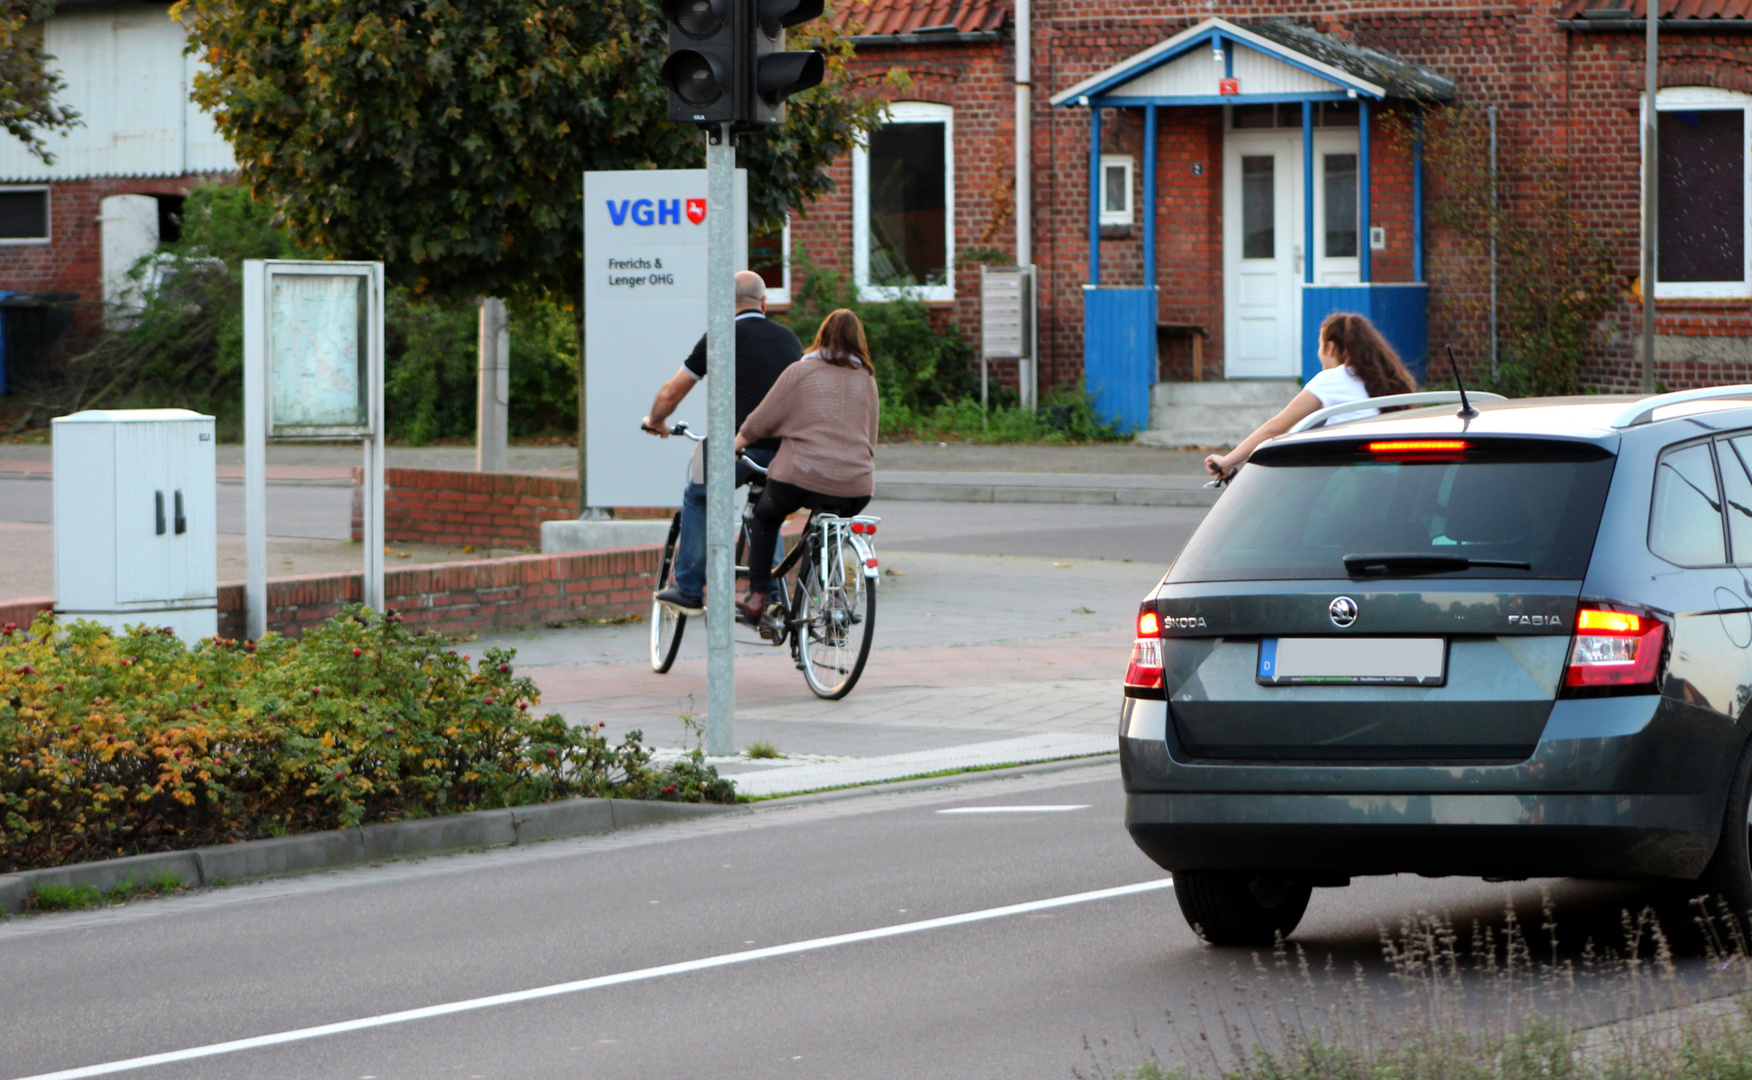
x: 751, y: 609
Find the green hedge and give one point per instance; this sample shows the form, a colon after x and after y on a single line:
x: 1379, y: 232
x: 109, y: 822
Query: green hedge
x: 122, y: 744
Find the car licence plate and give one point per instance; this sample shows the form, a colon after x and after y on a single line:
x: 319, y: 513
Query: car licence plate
x: 1353, y: 661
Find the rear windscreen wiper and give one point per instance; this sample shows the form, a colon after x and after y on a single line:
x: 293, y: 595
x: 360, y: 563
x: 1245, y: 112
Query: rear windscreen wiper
x: 1422, y: 563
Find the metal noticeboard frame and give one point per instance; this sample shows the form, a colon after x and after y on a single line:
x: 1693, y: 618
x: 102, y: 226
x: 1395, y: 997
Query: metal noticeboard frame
x: 311, y: 371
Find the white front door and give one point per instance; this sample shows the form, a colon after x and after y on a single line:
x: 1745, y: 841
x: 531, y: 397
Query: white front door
x: 1262, y: 254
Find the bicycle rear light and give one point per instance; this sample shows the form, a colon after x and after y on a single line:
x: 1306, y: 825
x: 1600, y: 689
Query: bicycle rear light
x: 1144, y: 671
x: 1616, y: 649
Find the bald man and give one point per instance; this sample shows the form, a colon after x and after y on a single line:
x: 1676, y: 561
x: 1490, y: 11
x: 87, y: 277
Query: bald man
x: 763, y: 349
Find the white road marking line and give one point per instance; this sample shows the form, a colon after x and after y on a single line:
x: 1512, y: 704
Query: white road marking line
x: 1014, y: 809
x: 557, y: 989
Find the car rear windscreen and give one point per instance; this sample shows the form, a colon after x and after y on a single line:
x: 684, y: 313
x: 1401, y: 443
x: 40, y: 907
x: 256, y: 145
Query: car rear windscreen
x: 1287, y: 518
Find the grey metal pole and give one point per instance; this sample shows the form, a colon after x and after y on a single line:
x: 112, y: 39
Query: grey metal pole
x: 720, y: 456
x: 1651, y: 196
x: 493, y: 388
x: 1493, y: 241
x: 255, y: 448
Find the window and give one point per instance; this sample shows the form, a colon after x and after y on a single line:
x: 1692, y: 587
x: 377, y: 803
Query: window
x: 1702, y: 248
x: 1735, y: 456
x: 903, y: 186
x: 769, y: 255
x: 1340, y: 211
x: 1288, y: 114
x: 1258, y: 206
x: 24, y: 215
x: 1685, y: 518
x: 1116, y: 189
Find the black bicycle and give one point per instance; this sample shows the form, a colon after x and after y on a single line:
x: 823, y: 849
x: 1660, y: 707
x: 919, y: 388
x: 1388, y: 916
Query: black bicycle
x: 826, y: 611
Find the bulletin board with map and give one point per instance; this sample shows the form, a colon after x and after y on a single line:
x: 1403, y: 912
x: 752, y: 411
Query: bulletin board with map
x: 319, y: 355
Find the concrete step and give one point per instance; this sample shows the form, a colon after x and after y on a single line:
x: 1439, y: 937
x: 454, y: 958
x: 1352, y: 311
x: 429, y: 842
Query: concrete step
x: 1213, y: 413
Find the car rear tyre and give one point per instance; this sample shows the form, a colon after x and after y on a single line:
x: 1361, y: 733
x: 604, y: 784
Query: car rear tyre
x: 1728, y: 877
x: 1237, y: 907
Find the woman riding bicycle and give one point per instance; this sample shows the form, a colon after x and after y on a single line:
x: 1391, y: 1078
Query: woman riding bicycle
x: 825, y: 408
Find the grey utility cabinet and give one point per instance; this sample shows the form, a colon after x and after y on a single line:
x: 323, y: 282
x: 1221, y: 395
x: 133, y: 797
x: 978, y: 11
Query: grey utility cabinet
x: 135, y: 530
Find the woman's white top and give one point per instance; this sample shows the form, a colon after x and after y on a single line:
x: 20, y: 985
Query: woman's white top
x: 1340, y: 386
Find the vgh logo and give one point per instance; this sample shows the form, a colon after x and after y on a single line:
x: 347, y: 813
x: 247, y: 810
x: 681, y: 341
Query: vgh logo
x: 654, y: 211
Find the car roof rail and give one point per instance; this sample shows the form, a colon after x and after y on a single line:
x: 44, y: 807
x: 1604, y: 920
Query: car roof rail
x: 1644, y: 411
x: 1320, y: 417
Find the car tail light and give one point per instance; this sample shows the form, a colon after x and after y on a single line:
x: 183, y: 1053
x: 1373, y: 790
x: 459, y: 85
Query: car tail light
x: 1615, y: 649
x: 1145, y: 669
x: 1419, y: 446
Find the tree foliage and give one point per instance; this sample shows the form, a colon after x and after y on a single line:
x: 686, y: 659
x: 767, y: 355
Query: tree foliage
x: 448, y: 139
x: 27, y: 86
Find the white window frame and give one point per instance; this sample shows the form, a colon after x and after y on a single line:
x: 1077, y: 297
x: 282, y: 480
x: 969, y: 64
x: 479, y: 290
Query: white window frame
x: 1687, y: 98
x: 48, y: 215
x: 904, y: 112
x: 1128, y: 214
x: 781, y: 297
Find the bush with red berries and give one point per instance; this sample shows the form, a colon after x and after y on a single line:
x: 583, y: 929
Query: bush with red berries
x: 118, y: 744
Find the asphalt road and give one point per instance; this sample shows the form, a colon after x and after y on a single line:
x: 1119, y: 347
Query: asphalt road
x: 1001, y: 995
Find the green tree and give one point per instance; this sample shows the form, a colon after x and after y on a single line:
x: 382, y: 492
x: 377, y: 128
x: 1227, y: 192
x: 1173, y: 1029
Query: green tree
x: 448, y: 139
x: 27, y: 86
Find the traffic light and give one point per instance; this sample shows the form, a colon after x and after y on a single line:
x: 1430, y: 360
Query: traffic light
x: 728, y: 62
x: 703, y: 60
x: 777, y: 72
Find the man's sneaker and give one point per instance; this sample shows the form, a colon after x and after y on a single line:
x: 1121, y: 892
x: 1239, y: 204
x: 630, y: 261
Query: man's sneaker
x: 682, y: 602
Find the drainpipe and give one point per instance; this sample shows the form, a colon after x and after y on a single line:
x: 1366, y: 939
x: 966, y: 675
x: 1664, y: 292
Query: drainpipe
x: 1024, y: 136
x: 1651, y: 195
x: 1493, y: 241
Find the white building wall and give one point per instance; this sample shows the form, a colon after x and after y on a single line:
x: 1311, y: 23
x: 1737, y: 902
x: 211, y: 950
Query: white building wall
x: 127, y: 75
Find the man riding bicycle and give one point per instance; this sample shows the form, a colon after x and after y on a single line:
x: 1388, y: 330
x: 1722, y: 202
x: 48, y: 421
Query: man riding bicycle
x: 764, y: 349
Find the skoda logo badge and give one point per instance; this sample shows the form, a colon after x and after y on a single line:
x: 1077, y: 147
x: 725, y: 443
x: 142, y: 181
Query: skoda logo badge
x: 1343, y: 611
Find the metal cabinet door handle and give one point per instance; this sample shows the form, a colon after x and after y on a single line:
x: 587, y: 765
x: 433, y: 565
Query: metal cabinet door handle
x: 158, y: 508
x: 182, y: 523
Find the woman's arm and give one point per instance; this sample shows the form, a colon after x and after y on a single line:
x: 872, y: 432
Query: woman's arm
x: 1302, y: 405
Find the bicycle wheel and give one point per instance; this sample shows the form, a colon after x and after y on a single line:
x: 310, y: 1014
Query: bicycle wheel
x: 835, y: 613
x: 666, y: 623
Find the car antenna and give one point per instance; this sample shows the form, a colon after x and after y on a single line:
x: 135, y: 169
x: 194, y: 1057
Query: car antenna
x: 1467, y: 412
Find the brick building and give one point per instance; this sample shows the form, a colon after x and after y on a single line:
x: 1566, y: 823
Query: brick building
x: 1241, y: 184
x: 70, y: 231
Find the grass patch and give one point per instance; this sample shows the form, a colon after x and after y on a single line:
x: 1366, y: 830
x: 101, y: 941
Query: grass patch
x: 1497, y: 1004
x: 80, y: 897
x: 760, y: 750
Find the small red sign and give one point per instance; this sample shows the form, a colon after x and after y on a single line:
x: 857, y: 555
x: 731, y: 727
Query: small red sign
x: 696, y: 210
x: 1228, y: 86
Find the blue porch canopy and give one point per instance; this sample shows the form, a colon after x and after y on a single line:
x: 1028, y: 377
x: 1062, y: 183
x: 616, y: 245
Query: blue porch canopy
x: 1217, y: 62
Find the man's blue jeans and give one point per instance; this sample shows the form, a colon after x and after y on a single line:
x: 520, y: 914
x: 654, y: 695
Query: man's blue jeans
x: 690, y: 546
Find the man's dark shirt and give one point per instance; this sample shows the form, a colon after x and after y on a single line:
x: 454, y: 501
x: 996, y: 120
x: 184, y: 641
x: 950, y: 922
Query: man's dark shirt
x: 763, y: 349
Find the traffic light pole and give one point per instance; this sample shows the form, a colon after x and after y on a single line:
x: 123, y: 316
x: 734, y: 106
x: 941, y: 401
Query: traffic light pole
x: 720, y: 452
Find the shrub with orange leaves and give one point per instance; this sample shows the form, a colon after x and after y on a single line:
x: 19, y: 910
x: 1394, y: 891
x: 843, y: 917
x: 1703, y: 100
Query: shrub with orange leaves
x: 117, y: 744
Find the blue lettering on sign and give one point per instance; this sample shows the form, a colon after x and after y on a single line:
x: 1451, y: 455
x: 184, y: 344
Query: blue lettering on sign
x: 669, y: 211
x: 642, y: 212
x: 617, y: 214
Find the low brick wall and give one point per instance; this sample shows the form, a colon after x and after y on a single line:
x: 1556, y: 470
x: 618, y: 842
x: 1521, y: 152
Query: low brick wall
x: 465, y: 597
x: 454, y: 598
x: 438, y: 506
x: 23, y: 611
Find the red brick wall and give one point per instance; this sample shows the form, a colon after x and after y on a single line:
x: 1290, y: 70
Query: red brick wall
x: 464, y: 597
x: 432, y: 506
x: 1569, y: 94
x: 453, y: 598
x: 72, y: 261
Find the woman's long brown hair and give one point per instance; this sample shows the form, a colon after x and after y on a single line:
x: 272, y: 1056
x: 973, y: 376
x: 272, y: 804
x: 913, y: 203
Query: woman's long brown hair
x: 840, y: 339
x: 1362, y: 349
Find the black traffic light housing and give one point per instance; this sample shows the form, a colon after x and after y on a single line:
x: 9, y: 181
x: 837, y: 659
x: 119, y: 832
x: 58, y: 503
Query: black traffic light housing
x: 728, y: 62
x: 702, y: 65
x: 777, y: 72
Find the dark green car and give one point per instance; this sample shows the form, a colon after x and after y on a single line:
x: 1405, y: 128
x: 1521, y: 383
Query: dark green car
x: 1515, y: 645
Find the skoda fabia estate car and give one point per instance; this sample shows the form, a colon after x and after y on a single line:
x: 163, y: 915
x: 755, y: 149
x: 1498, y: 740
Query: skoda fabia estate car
x: 1512, y: 644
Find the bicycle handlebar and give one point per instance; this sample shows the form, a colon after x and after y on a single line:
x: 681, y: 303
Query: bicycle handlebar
x: 678, y: 428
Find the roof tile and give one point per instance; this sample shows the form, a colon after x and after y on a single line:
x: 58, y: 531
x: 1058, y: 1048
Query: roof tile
x: 1670, y: 9
x: 910, y: 16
